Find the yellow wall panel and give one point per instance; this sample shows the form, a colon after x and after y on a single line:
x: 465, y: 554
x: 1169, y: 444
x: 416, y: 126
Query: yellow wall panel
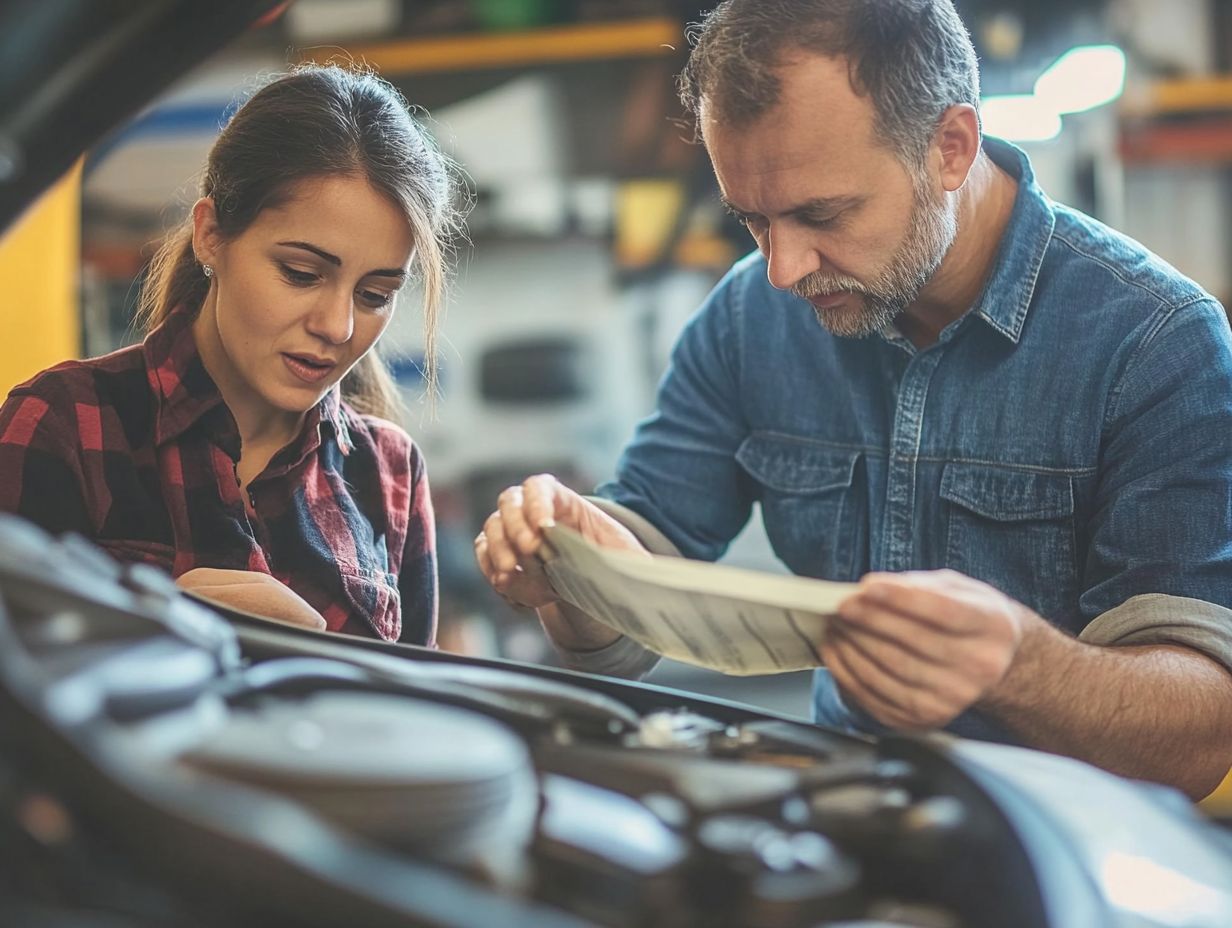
x: 40, y: 263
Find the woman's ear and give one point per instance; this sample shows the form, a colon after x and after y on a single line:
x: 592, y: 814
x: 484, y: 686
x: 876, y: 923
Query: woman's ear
x: 957, y: 142
x: 207, y: 238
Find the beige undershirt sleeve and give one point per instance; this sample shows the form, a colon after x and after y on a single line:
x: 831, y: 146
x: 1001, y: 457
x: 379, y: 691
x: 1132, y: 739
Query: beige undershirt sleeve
x: 624, y: 657
x: 1157, y: 618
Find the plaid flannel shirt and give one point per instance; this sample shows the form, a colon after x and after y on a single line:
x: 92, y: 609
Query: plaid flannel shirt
x: 137, y: 451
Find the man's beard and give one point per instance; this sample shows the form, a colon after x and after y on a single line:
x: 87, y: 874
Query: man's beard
x: 930, y: 233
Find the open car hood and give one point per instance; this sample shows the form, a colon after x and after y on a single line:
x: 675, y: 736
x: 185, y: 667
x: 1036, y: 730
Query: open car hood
x: 73, y: 70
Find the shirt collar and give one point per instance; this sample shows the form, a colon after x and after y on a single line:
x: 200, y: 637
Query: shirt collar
x: 1010, y: 287
x: 329, y: 412
x: 185, y: 392
x: 183, y: 389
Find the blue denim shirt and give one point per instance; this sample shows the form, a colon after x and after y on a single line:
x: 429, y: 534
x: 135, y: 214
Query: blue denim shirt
x: 1068, y: 440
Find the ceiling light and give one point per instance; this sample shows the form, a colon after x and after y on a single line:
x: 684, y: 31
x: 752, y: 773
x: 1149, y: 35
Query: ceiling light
x: 1082, y: 79
x: 1019, y: 118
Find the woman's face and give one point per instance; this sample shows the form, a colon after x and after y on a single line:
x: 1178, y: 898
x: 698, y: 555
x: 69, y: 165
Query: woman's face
x: 301, y: 295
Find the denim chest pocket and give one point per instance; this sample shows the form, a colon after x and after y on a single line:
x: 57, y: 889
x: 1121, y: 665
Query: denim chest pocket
x: 1014, y: 529
x: 812, y: 504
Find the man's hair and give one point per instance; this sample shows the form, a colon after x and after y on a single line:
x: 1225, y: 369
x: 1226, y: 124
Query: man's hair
x: 913, y: 58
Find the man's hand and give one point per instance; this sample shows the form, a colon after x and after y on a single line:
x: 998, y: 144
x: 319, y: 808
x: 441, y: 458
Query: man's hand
x: 251, y: 591
x: 507, y: 548
x: 507, y: 553
x: 917, y: 649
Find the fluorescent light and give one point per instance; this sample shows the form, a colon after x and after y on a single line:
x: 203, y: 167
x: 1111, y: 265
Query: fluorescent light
x: 1083, y: 78
x: 1019, y: 118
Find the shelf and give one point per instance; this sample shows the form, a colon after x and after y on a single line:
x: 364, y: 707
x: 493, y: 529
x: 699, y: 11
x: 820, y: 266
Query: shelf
x: 1181, y: 96
x: 635, y: 38
x: 1203, y: 141
x: 1182, y: 121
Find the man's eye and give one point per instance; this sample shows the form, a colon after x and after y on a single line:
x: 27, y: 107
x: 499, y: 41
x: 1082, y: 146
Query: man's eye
x: 297, y: 277
x: 746, y: 220
x: 736, y: 215
x: 819, y: 222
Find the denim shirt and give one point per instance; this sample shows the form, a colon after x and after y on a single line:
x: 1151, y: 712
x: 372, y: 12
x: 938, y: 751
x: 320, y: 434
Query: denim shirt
x: 1068, y: 440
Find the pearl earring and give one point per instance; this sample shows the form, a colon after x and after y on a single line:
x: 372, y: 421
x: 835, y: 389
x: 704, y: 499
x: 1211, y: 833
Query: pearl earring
x: 207, y: 270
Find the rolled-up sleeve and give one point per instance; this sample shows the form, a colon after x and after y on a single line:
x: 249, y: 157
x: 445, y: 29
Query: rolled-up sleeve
x: 1155, y: 619
x: 1162, y: 519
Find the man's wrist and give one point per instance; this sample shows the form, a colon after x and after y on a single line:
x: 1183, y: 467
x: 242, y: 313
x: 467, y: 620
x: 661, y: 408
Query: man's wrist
x: 573, y: 630
x: 1043, y: 653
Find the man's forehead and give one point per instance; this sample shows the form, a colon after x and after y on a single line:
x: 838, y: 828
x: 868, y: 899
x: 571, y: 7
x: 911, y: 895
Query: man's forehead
x: 810, y: 86
x: 817, y: 114
x: 780, y: 164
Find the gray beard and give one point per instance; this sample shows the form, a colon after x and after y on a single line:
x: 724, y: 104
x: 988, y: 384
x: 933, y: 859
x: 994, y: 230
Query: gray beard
x: 930, y: 233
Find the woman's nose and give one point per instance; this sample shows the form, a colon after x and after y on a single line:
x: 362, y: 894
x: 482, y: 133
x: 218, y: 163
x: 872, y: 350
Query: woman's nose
x: 333, y: 319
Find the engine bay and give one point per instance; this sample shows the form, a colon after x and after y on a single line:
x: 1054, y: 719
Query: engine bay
x: 162, y: 765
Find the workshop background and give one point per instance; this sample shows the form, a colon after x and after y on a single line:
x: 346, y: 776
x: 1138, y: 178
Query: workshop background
x: 595, y: 228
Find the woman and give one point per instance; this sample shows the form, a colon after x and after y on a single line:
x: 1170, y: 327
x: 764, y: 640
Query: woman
x: 247, y: 445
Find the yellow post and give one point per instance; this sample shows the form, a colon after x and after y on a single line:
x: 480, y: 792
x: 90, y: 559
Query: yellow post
x: 40, y: 262
x: 1219, y: 803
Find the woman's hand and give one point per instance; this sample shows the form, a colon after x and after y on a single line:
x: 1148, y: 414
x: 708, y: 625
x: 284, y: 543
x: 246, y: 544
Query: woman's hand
x: 251, y: 591
x: 507, y: 548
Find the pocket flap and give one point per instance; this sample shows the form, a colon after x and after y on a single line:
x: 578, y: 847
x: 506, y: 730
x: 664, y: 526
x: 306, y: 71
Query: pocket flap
x: 794, y: 466
x: 1007, y: 495
x: 154, y: 553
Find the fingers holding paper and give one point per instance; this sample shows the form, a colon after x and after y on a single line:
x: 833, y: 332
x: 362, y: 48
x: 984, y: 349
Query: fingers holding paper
x: 517, y: 577
x: 507, y: 550
x: 917, y: 649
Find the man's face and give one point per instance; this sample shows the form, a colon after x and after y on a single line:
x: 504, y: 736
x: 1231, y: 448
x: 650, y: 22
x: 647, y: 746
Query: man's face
x: 840, y: 220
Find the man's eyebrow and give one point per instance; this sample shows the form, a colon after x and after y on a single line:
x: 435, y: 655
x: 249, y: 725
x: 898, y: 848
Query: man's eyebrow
x: 814, y: 205
x: 827, y: 204
x: 395, y: 272
x: 732, y: 209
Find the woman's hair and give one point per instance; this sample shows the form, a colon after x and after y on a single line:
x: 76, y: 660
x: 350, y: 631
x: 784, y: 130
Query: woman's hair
x: 319, y: 121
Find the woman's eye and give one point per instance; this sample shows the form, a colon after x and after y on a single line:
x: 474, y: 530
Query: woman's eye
x: 297, y: 277
x: 375, y: 299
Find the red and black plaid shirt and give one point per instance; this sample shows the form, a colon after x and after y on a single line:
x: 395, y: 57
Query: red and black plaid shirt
x: 137, y: 451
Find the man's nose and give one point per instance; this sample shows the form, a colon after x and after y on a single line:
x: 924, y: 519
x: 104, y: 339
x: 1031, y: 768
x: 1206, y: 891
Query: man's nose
x: 790, y: 257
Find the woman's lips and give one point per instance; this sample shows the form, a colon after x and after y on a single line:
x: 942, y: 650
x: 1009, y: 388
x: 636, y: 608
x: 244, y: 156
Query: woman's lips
x: 307, y: 368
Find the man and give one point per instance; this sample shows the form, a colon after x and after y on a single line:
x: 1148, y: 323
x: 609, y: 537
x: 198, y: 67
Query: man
x: 1013, y: 422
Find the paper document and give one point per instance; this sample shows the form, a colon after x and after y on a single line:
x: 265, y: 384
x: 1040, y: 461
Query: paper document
x: 722, y: 618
